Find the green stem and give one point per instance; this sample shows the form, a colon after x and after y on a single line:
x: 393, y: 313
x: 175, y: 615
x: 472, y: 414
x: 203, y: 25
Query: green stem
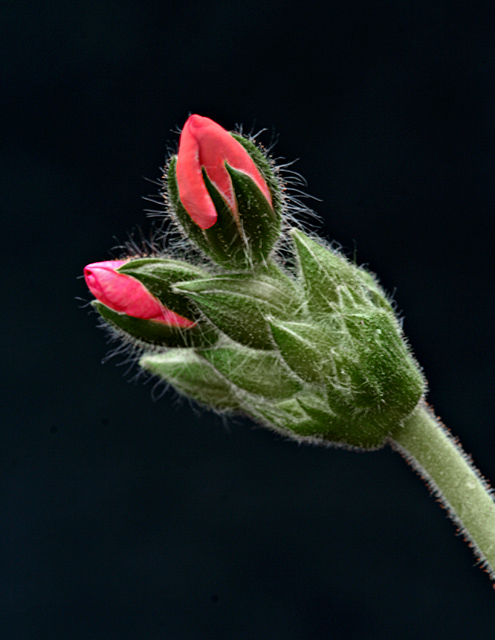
x: 440, y: 460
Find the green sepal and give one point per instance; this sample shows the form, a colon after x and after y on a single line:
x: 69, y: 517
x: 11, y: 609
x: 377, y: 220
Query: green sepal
x: 266, y: 170
x: 259, y: 372
x: 157, y: 333
x: 305, y: 347
x: 159, y: 275
x: 317, y: 408
x: 192, y: 376
x: 238, y: 305
x: 342, y: 430
x: 226, y: 243
x: 324, y: 272
x: 331, y: 280
x: 282, y: 280
x: 285, y: 415
x: 260, y: 223
x: 382, y: 372
x: 374, y: 291
x: 378, y: 383
x: 290, y: 416
x: 324, y: 422
x: 372, y: 382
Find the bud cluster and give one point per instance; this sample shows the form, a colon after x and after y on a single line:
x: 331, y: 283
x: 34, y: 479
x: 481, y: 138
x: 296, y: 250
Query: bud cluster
x: 317, y: 354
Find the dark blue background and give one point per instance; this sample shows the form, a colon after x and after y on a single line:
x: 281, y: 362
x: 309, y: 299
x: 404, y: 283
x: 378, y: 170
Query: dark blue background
x: 124, y: 518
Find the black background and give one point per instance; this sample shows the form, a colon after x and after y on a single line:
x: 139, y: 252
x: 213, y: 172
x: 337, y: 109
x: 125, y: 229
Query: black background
x: 125, y: 518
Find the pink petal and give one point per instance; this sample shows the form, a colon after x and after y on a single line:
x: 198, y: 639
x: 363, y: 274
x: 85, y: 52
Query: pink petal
x: 203, y: 142
x: 192, y: 189
x: 127, y: 295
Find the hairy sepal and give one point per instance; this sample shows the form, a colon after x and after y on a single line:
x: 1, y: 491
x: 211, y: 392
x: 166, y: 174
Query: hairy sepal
x: 159, y: 275
x: 259, y: 372
x: 194, y: 377
x: 239, y: 305
x: 157, y: 334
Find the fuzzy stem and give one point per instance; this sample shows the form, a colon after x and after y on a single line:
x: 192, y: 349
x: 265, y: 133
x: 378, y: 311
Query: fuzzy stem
x: 440, y: 460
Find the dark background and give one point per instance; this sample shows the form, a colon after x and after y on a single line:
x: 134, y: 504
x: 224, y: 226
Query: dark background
x: 125, y: 518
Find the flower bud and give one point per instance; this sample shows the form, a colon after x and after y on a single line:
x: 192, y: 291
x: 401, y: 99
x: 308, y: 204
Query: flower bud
x: 128, y: 305
x: 331, y: 281
x: 126, y: 295
x: 225, y: 194
x: 204, y: 143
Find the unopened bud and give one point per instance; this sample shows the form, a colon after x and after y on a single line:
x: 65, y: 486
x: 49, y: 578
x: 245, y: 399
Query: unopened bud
x: 127, y: 305
x: 224, y: 194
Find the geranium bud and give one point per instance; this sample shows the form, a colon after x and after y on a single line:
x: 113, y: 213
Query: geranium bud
x: 204, y: 143
x: 329, y: 278
x: 126, y: 295
x: 225, y: 194
x: 128, y: 306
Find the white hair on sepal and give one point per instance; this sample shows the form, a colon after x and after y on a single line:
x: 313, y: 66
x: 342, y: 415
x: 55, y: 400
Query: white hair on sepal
x: 122, y: 345
x: 128, y: 347
x: 291, y: 183
x: 162, y: 387
x: 160, y: 243
x: 295, y: 213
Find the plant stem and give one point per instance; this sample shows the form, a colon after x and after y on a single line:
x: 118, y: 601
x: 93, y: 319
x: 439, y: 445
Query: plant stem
x: 427, y: 445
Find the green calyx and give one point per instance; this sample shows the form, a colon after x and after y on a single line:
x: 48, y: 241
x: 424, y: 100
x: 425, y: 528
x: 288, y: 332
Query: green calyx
x: 242, y: 239
x: 369, y: 378
x: 320, y: 357
x: 353, y: 347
